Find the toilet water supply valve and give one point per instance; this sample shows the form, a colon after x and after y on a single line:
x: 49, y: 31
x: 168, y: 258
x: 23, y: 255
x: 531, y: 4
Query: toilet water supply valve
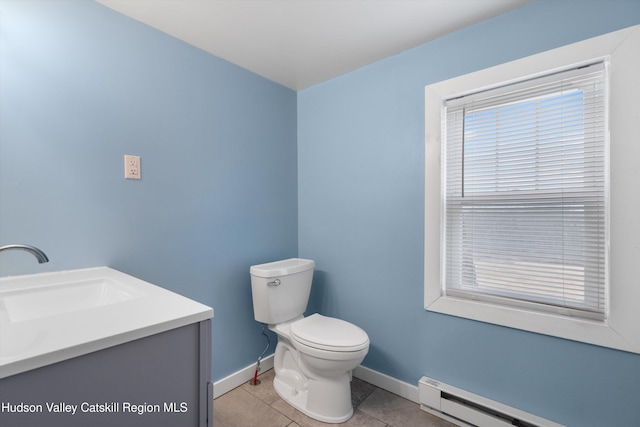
x: 255, y: 381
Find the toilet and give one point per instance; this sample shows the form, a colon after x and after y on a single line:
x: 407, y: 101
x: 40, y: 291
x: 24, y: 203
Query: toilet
x: 315, y: 355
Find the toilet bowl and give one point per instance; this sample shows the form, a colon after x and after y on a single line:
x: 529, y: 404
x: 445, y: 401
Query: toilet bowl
x: 315, y: 355
x: 313, y: 369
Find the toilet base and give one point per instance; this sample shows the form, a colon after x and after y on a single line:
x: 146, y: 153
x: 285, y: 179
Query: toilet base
x: 328, y: 401
x: 316, y: 382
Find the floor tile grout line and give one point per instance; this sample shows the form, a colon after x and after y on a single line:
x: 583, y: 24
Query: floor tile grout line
x: 362, y: 391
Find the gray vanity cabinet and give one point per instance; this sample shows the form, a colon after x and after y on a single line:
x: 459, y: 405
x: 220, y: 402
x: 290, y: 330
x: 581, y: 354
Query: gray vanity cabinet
x: 161, y: 380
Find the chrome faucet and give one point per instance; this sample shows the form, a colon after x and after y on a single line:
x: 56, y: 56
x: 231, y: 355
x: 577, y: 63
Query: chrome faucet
x: 40, y: 256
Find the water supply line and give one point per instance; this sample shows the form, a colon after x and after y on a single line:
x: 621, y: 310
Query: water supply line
x: 255, y: 381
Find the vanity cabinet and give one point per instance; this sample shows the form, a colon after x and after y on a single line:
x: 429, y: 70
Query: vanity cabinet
x: 161, y: 380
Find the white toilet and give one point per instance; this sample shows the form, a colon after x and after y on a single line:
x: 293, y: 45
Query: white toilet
x: 316, y: 354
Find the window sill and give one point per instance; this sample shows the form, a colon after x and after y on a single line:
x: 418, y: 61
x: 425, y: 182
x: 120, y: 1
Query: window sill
x: 588, y: 331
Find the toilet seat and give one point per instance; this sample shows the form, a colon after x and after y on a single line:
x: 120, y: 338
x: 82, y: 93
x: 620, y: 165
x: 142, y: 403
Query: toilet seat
x: 329, y: 334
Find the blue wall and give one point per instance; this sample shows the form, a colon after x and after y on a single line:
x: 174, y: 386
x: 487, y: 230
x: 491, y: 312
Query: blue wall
x: 80, y: 86
x: 361, y: 206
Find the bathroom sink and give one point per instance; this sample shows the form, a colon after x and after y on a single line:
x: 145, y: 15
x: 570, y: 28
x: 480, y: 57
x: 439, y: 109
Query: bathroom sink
x: 50, y: 317
x: 46, y: 301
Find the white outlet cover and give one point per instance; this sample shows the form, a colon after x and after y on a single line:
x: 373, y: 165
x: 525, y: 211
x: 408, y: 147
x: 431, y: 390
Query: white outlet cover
x: 131, y: 167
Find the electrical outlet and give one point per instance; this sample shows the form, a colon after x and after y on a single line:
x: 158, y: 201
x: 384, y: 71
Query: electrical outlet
x: 131, y: 167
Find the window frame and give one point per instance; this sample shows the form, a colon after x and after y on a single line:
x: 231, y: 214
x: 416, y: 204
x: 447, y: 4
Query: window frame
x: 463, y: 191
x: 621, y: 328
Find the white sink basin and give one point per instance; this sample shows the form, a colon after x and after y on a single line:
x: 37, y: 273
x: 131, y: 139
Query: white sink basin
x: 49, y: 317
x: 45, y: 301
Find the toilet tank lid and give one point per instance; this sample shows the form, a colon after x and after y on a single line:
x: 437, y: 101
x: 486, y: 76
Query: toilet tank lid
x: 282, y: 268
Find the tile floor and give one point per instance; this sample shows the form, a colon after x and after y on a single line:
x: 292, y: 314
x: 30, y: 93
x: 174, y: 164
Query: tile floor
x: 260, y: 406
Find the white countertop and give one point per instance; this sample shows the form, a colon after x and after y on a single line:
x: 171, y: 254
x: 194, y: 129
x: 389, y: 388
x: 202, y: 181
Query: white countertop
x: 31, y: 339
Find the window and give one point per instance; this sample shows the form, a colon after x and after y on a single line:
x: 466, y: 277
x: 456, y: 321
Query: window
x: 525, y: 219
x: 520, y: 213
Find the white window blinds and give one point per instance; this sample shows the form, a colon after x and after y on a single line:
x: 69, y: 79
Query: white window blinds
x: 525, y: 194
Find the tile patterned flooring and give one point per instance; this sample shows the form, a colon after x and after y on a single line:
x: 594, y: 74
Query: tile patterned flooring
x: 260, y: 406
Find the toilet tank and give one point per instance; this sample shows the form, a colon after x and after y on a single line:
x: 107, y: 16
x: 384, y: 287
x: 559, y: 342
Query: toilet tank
x: 281, y: 289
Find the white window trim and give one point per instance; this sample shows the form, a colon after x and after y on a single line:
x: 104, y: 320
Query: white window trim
x: 621, y: 330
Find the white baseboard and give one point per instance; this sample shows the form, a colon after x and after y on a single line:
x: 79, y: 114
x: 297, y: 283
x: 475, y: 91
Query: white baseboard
x: 238, y: 378
x: 378, y: 379
x: 385, y: 382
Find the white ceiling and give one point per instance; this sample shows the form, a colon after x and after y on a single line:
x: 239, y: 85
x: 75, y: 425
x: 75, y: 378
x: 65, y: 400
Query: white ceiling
x: 299, y: 43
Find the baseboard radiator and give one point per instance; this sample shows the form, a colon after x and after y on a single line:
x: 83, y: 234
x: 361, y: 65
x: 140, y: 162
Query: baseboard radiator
x: 467, y: 409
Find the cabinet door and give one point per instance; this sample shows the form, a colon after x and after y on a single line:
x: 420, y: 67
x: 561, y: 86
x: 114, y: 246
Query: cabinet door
x: 160, y: 380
